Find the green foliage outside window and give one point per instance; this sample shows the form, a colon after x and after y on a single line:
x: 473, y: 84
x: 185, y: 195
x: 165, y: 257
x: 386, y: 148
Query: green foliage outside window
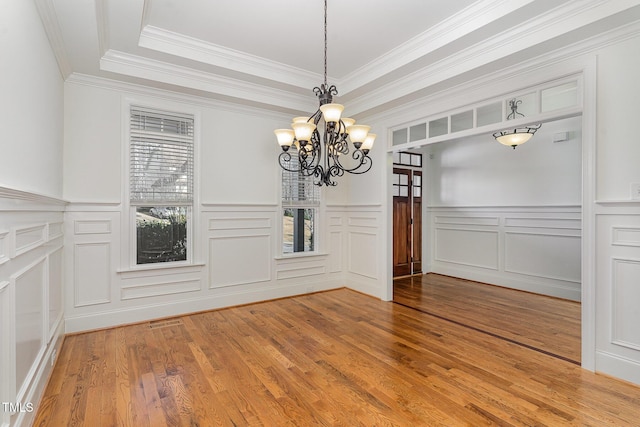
x: 161, y: 234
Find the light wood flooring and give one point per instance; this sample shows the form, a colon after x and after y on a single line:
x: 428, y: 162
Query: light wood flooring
x: 332, y: 358
x: 542, y: 323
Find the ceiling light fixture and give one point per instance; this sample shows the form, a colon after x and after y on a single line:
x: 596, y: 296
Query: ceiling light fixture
x: 319, y: 155
x: 517, y: 136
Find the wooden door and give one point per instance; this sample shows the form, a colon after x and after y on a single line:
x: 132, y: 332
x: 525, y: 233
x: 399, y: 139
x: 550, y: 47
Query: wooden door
x: 401, y: 222
x: 407, y: 222
x: 416, y: 219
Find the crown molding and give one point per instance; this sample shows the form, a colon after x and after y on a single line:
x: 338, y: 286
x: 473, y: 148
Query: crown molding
x: 102, y: 24
x: 173, y: 96
x: 208, y: 53
x: 145, y: 68
x: 461, y: 24
x: 49, y: 19
x: 538, y: 30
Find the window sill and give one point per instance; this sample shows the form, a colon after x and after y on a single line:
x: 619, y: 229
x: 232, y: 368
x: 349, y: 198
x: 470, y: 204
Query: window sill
x: 301, y: 255
x: 154, y: 269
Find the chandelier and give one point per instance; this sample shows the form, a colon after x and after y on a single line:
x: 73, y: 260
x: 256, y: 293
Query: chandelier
x: 324, y: 153
x: 517, y: 136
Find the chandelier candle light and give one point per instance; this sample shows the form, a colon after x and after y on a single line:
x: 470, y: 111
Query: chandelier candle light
x: 319, y: 154
x: 517, y: 136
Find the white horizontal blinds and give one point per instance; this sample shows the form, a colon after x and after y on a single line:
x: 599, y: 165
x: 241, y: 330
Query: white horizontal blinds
x: 298, y: 189
x: 161, y: 161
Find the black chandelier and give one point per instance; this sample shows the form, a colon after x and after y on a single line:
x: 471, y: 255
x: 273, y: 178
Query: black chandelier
x: 318, y: 154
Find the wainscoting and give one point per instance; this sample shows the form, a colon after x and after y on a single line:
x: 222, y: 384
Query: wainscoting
x: 236, y: 261
x: 617, y: 272
x: 31, y: 305
x: 537, y: 249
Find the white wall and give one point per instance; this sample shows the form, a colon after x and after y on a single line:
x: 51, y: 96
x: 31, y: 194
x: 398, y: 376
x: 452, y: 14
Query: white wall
x: 610, y: 218
x: 617, y: 214
x: 507, y: 217
x: 31, y: 213
x: 478, y: 171
x: 31, y: 107
x: 237, y: 221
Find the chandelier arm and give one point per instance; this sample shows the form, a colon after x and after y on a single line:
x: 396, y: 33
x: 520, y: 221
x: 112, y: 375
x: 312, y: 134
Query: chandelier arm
x: 364, y: 161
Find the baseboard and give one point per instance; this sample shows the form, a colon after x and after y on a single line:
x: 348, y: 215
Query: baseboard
x: 541, y: 286
x: 618, y: 367
x: 230, y: 298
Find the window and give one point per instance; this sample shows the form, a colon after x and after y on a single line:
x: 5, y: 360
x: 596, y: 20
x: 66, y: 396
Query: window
x: 300, y: 201
x: 161, y: 184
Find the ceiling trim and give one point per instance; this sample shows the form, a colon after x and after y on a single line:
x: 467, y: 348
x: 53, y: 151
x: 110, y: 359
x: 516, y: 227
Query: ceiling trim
x: 538, y: 30
x: 468, y: 20
x: 550, y: 66
x: 208, y: 53
x: 145, y: 68
x: 51, y: 25
x: 173, y: 96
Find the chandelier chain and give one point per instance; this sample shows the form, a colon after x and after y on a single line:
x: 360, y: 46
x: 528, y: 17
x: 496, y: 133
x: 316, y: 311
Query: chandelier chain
x: 325, y: 43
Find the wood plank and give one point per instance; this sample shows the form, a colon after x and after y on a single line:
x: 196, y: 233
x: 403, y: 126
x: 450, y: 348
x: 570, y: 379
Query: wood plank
x: 331, y: 358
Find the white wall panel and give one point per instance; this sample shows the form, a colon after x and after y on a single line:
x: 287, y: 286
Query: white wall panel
x: 625, y: 297
x: 335, y: 251
x: 7, y: 365
x: 54, y: 292
x: 625, y: 236
x: 537, y: 249
x: 476, y: 248
x: 156, y: 289
x: 5, y: 246
x: 29, y: 285
x: 94, y: 226
x: 239, y: 259
x: 56, y: 229
x: 92, y: 273
x: 618, y: 276
x: 362, y: 252
x: 28, y: 238
x: 550, y: 256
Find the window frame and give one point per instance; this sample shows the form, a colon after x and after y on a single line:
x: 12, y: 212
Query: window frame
x: 314, y: 204
x: 129, y: 230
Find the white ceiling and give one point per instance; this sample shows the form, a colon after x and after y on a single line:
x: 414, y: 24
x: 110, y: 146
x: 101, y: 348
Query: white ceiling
x: 270, y: 52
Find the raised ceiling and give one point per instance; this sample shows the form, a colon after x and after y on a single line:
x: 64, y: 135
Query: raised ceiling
x: 269, y: 53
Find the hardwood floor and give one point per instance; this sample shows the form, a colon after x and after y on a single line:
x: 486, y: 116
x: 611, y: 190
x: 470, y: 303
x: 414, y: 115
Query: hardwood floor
x: 539, y: 322
x: 331, y: 358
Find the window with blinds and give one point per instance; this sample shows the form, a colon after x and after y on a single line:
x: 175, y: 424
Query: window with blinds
x: 161, y: 168
x: 300, y: 201
x: 161, y: 183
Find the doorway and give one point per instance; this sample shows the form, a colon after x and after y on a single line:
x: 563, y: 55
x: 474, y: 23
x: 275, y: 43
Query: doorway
x: 407, y: 214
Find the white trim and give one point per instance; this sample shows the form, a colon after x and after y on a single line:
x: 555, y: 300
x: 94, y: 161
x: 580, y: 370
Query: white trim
x: 162, y: 40
x: 146, y: 68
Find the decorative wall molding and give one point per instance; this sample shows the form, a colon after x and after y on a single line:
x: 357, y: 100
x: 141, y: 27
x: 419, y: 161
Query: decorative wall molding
x: 466, y: 246
x: 493, y: 245
x: 5, y: 246
x: 239, y: 223
x: 625, y: 294
x: 229, y: 256
x: 92, y: 226
x: 26, y: 196
x: 162, y: 288
x: 625, y: 236
x: 362, y: 249
x: 467, y: 220
x: 92, y: 268
x: 55, y: 230
x: 29, y: 238
x: 30, y: 341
